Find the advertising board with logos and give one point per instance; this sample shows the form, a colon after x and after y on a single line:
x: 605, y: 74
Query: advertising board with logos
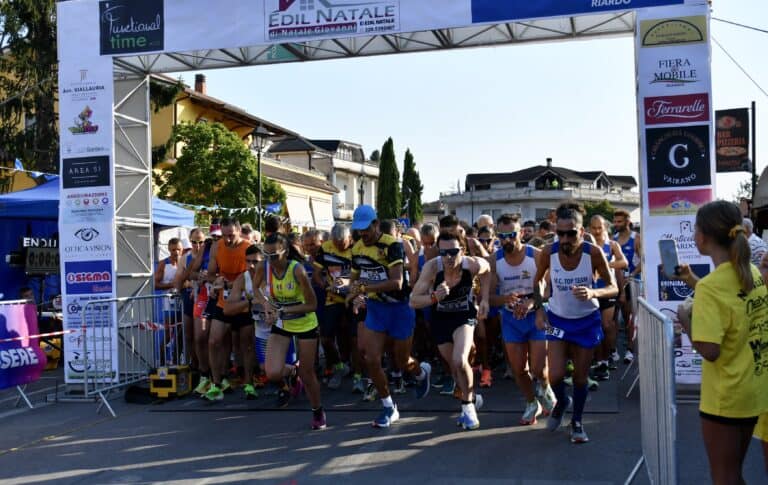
x: 676, y: 152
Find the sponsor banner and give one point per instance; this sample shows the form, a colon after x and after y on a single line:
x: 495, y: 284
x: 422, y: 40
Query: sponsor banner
x: 84, y: 206
x: 676, y: 290
x: 732, y: 140
x: 678, y: 157
x: 495, y: 10
x: 85, y: 94
x: 101, y: 357
x: 677, y: 202
x: 86, y: 241
x: 21, y: 359
x: 88, y: 277
x: 674, y: 71
x: 74, y: 307
x: 130, y: 26
x: 295, y: 20
x: 687, y: 361
x: 677, y: 31
x: 686, y: 108
x: 83, y: 172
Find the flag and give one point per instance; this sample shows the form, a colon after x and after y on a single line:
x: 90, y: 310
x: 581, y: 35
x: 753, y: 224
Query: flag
x: 18, y: 165
x: 274, y: 208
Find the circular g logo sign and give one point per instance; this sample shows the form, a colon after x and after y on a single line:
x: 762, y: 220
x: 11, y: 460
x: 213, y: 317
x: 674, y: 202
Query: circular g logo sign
x: 682, y: 162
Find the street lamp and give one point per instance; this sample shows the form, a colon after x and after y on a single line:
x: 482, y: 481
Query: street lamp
x: 260, y: 137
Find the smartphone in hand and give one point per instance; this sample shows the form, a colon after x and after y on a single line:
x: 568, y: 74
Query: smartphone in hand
x: 669, y: 259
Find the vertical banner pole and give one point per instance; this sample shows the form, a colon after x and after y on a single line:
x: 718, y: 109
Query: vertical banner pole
x: 754, y: 155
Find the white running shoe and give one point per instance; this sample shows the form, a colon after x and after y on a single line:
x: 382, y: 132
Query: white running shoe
x: 532, y: 411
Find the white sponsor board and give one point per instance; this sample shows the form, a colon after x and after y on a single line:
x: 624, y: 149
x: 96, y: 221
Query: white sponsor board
x: 676, y: 152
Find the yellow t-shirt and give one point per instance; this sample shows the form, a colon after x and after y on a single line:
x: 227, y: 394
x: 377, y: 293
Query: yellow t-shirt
x: 735, y: 385
x: 287, y: 291
x: 372, y: 263
x: 761, y: 429
x: 336, y: 263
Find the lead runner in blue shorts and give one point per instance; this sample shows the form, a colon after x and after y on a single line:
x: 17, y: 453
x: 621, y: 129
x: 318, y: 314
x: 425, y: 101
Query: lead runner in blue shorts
x: 573, y: 319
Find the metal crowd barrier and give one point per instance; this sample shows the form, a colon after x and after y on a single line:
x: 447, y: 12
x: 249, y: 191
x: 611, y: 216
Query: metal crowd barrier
x: 657, y: 396
x: 125, y: 338
x: 636, y: 291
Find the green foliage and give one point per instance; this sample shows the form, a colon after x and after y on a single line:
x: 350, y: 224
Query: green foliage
x: 388, y: 204
x: 412, y: 189
x: 375, y: 156
x: 215, y: 167
x: 744, y: 191
x: 28, y: 83
x: 164, y: 94
x: 604, y: 208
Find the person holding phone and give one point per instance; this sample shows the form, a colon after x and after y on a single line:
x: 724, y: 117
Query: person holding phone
x: 728, y: 329
x: 573, y: 318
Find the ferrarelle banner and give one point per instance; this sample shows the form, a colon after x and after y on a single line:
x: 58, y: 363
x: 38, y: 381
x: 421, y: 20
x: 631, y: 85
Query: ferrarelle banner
x: 677, y: 166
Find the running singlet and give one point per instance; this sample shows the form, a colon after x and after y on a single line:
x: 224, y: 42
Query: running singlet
x: 599, y: 283
x: 459, y: 306
x: 628, y: 248
x: 286, y: 291
x: 169, y: 272
x: 231, y: 264
x: 516, y: 279
x: 371, y: 264
x: 337, y: 264
x: 562, y: 302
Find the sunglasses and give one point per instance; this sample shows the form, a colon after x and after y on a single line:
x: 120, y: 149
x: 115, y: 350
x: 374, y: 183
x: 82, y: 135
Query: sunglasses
x: 506, y: 235
x: 485, y: 240
x: 197, y: 242
x: 569, y: 233
x: 274, y: 255
x: 453, y: 252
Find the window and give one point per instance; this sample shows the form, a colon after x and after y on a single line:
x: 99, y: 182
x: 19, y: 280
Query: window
x: 307, y: 4
x: 482, y: 187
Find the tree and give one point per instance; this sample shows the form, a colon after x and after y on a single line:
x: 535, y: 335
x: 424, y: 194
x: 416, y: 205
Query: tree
x: 28, y: 83
x: 412, y: 189
x: 744, y: 191
x: 215, y: 168
x: 388, y: 195
x: 604, y: 208
x: 375, y: 156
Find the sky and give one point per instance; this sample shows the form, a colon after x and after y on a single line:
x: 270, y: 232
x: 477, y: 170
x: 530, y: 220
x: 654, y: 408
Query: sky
x: 496, y: 109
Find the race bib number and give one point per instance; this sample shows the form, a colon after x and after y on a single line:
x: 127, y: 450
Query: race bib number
x: 555, y: 332
x: 374, y: 276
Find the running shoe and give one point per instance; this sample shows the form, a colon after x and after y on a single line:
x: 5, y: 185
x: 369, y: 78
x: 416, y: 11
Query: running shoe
x: 508, y: 375
x: 470, y: 420
x: 532, y: 411
x: 578, y: 435
x: 478, y: 402
x: 440, y: 382
x: 592, y: 384
x: 318, y: 421
x: 629, y: 357
x: 338, y: 374
x: 387, y: 416
x: 568, y: 381
x: 250, y: 392
x: 601, y: 372
x: 485, y: 378
x: 398, y: 385
x: 214, y: 393
x: 613, y: 360
x: 358, y: 385
x: 370, y: 394
x: 556, y: 418
x: 260, y: 381
x: 448, y: 386
x: 225, y: 385
x: 283, y: 397
x: 422, y: 386
x: 460, y: 419
x: 548, y: 401
x: 203, y: 385
x: 569, y: 368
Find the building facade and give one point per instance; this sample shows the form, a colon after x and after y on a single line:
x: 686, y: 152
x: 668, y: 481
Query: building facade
x: 342, y: 163
x: 534, y: 191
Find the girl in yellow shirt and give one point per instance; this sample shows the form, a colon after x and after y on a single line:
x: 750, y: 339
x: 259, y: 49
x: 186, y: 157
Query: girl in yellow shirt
x: 730, y: 321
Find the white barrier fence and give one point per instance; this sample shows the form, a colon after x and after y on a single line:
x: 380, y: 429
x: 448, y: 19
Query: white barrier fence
x: 150, y: 334
x: 657, y: 396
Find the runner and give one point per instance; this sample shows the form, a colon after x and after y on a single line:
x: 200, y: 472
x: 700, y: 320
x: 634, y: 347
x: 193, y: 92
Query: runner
x: 513, y: 268
x: 240, y: 301
x: 226, y: 264
x: 289, y: 303
x: 631, y: 247
x: 446, y: 284
x: 188, y: 287
x: 606, y: 354
x: 334, y: 260
x: 573, y: 317
x: 377, y: 277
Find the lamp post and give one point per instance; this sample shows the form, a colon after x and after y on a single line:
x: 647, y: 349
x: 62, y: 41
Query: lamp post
x: 260, y: 136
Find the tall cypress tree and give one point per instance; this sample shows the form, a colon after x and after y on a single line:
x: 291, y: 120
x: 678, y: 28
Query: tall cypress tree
x: 412, y: 189
x: 388, y: 195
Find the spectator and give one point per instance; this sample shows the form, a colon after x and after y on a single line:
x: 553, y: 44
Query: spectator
x: 756, y: 245
x: 246, y: 232
x: 27, y: 293
x: 529, y: 228
x: 484, y: 221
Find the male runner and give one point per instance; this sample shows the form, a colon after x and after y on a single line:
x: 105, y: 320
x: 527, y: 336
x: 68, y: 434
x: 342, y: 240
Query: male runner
x: 631, y: 246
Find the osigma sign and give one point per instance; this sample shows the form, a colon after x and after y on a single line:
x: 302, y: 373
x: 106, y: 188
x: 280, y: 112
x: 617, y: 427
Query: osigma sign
x: 688, y: 108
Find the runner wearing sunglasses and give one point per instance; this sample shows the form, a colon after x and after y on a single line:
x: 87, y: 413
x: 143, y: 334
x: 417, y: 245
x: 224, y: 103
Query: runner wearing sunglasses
x: 289, y: 305
x: 514, y: 268
x: 446, y: 285
x: 573, y: 318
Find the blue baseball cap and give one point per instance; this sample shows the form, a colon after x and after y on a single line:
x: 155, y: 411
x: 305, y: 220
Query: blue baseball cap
x: 363, y: 217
